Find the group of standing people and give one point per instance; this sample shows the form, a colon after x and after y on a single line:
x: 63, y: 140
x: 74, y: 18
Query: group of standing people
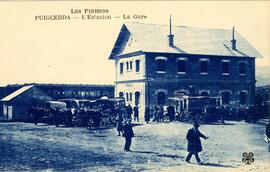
x: 160, y: 112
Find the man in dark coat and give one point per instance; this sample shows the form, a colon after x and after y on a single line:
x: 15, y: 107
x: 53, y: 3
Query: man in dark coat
x: 147, y: 114
x: 171, y: 112
x: 128, y: 134
x: 194, y: 143
x: 129, y: 111
x: 136, y: 113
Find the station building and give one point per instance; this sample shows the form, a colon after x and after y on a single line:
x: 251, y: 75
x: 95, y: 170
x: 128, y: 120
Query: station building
x: 154, y: 62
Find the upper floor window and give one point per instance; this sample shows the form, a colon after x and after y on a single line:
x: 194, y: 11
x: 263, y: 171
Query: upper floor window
x: 121, y: 68
x: 127, y: 66
x: 181, y: 65
x: 204, y: 66
x: 130, y: 65
x: 137, y: 65
x: 161, y: 64
x: 242, y: 68
x: 225, y: 67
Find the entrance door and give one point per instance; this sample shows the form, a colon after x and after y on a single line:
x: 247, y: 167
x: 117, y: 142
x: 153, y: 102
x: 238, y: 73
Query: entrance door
x: 9, y: 112
x: 137, y: 97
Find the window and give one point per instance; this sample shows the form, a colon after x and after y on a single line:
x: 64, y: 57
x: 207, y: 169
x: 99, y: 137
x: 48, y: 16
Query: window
x: 161, y: 65
x: 130, y: 65
x: 225, y: 97
x: 121, y: 68
x: 225, y: 67
x: 182, y: 65
x: 127, y: 65
x: 161, y: 98
x: 242, y: 97
x: 130, y: 96
x: 242, y: 68
x: 127, y: 96
x: 137, y: 65
x: 204, y: 93
x: 204, y: 66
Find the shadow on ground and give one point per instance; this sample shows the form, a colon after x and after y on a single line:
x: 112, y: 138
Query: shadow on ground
x: 218, y: 165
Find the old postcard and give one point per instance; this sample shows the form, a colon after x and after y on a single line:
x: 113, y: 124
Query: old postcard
x: 134, y: 86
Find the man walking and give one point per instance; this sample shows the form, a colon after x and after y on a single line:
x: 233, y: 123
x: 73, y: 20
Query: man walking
x: 128, y: 134
x: 194, y: 143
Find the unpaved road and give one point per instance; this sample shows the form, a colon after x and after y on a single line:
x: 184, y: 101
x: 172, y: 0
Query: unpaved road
x: 156, y: 147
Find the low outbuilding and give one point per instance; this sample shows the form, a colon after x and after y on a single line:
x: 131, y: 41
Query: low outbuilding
x: 16, y: 105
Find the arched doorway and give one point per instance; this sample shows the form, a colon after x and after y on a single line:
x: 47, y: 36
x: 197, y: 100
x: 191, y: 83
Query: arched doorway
x: 243, y: 98
x: 137, y: 97
x: 226, y: 97
x: 161, y: 98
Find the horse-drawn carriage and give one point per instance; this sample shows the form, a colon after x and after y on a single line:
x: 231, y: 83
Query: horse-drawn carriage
x: 203, y: 109
x: 100, y: 113
x: 50, y: 112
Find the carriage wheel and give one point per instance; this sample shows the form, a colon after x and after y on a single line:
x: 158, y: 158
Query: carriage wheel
x: 104, y: 123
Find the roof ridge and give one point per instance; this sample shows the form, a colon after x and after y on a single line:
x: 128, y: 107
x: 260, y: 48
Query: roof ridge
x: 179, y: 26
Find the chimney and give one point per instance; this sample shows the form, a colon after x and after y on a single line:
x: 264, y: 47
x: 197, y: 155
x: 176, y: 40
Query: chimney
x: 170, y: 36
x: 233, y: 40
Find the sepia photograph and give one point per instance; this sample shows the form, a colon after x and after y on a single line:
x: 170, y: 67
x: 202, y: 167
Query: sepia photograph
x: 133, y: 86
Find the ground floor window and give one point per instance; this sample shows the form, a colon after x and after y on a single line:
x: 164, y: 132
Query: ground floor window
x: 161, y: 98
x: 225, y: 97
x: 204, y: 93
x: 130, y: 96
x: 243, y: 97
x: 127, y: 97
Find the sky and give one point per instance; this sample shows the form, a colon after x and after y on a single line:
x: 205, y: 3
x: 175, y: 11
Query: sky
x: 76, y: 51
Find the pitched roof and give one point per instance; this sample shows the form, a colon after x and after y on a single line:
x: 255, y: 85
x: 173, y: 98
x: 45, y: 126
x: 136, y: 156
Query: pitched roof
x: 187, y: 40
x: 16, y: 93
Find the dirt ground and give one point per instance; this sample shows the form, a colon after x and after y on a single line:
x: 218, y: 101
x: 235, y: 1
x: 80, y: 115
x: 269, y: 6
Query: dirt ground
x: 156, y: 147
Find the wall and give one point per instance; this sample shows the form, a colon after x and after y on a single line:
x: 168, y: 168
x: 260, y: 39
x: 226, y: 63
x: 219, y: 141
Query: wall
x: 130, y: 74
x: 133, y: 87
x: 214, y: 81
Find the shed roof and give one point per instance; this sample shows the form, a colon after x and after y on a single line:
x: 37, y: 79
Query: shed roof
x: 16, y: 93
x: 187, y: 40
